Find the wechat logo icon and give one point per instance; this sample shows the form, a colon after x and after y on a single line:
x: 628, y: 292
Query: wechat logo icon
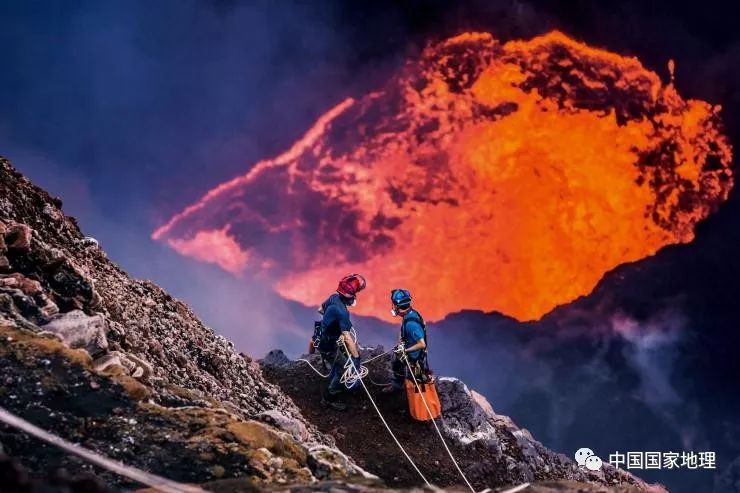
x: 585, y: 458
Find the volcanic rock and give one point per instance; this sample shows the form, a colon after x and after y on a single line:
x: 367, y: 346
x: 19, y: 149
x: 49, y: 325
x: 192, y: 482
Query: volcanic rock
x: 291, y: 425
x: 19, y: 281
x: 18, y: 238
x: 80, y: 331
x: 163, y: 392
x: 109, y: 363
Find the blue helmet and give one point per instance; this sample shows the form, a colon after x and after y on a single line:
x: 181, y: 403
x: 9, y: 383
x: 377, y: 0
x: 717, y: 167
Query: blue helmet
x: 401, y: 298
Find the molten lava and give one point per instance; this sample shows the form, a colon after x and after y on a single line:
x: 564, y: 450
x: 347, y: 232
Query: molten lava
x: 489, y: 176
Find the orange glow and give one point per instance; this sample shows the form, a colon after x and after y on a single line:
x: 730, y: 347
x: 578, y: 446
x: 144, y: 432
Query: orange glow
x: 497, y: 177
x: 215, y: 247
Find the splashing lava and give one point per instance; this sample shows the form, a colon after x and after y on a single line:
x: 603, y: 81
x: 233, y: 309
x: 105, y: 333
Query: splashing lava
x: 488, y: 176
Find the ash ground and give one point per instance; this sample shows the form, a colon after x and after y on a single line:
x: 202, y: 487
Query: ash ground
x: 490, y: 448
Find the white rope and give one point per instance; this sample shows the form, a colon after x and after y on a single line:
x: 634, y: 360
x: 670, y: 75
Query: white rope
x: 434, y: 422
x: 349, y: 377
x: 314, y: 368
x: 132, y: 473
x: 367, y: 375
x: 369, y: 396
x: 351, y: 374
x: 378, y: 356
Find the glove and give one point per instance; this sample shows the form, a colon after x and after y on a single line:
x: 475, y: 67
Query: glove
x: 399, y: 349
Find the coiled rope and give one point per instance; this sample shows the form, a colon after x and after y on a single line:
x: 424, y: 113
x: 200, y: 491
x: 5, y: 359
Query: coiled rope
x: 363, y: 369
x: 349, y: 377
x: 132, y: 473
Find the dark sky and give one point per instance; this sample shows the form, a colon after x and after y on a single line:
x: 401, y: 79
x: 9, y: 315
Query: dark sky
x: 130, y: 110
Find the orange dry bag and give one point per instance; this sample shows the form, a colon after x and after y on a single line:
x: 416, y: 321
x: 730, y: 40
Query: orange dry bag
x: 416, y: 405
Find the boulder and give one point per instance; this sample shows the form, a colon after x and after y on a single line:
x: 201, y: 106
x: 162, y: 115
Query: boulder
x: 464, y: 418
x: 29, y: 298
x: 120, y: 362
x: 483, y: 403
x: 277, y: 358
x: 291, y: 425
x: 142, y: 369
x: 330, y: 463
x: 109, y: 363
x: 52, y: 213
x: 18, y: 238
x: 78, y: 330
x: 19, y: 281
x: 47, y: 307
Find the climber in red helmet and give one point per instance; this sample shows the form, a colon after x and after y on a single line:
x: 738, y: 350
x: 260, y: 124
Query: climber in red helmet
x: 335, y: 324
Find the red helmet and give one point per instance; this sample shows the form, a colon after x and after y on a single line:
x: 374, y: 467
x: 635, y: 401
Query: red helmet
x: 350, y: 285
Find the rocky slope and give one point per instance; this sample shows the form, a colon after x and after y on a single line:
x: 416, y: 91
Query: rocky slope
x: 490, y: 448
x: 120, y: 367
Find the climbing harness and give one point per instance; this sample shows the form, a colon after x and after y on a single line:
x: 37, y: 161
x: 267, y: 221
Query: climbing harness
x: 132, y: 473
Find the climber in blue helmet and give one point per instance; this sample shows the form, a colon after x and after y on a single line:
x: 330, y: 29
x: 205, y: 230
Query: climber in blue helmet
x: 412, y: 345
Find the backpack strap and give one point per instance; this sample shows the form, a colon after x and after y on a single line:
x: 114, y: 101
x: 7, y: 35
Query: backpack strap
x: 414, y: 316
x: 423, y: 360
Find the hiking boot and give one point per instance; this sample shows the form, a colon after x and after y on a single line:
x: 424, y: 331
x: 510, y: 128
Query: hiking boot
x: 336, y: 405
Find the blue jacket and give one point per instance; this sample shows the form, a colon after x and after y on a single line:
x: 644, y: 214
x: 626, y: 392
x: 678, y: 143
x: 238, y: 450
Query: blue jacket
x: 335, y: 320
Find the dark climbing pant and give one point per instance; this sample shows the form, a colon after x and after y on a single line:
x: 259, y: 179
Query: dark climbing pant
x: 335, y: 388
